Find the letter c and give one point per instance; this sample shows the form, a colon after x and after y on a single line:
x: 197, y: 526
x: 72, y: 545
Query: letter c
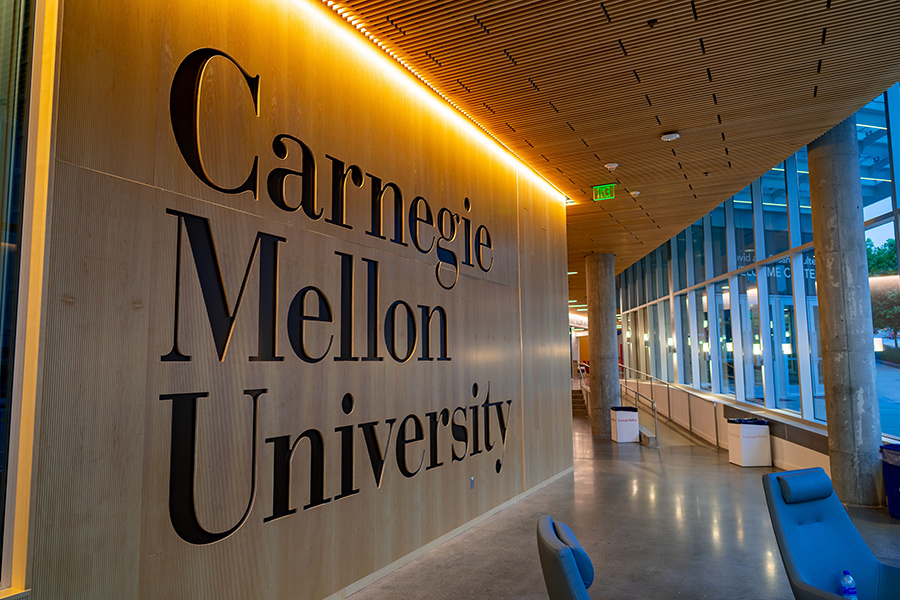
x: 184, y: 108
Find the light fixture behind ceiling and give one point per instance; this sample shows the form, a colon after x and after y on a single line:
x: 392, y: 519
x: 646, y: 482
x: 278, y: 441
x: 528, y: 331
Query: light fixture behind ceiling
x: 670, y: 136
x: 634, y: 194
x: 611, y: 166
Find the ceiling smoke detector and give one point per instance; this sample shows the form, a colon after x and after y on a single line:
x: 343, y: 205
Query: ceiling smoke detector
x: 611, y: 166
x: 670, y: 136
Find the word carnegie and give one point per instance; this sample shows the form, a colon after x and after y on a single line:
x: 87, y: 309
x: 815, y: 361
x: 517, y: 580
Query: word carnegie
x: 427, y: 231
x: 414, y: 442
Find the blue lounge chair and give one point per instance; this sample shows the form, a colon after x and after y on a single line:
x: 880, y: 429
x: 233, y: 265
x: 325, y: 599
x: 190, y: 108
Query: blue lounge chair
x: 818, y: 540
x: 568, y: 570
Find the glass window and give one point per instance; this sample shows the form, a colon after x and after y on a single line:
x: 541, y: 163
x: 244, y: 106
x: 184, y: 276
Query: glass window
x: 652, y: 342
x: 874, y: 162
x: 815, y: 340
x: 783, y: 335
x: 662, y: 347
x: 664, y: 267
x: 639, y: 282
x: 632, y: 287
x: 681, y: 251
x: 726, y: 345
x: 643, y: 341
x: 13, y: 101
x: 806, y: 234
x: 775, y: 215
x: 745, y: 243
x: 752, y: 359
x: 698, y: 252
x: 630, y: 353
x: 884, y: 288
x: 685, y: 367
x: 644, y: 284
x: 719, y: 256
x: 703, y: 351
x: 665, y: 317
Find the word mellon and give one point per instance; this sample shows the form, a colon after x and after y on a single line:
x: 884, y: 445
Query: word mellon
x: 415, y: 443
x: 310, y: 311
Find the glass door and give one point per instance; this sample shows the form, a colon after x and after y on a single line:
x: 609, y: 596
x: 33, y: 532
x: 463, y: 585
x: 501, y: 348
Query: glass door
x: 754, y: 390
x: 784, y: 353
x: 726, y: 346
x: 815, y: 356
x: 703, y: 352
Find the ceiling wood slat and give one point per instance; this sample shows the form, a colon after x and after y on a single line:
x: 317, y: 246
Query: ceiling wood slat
x: 569, y: 90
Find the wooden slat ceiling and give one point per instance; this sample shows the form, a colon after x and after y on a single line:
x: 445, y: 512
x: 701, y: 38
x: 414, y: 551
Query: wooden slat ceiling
x: 572, y: 85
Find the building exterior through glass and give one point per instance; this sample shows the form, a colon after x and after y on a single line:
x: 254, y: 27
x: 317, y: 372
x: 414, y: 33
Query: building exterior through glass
x: 729, y: 305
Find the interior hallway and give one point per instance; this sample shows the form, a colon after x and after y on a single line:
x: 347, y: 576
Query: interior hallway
x: 680, y: 521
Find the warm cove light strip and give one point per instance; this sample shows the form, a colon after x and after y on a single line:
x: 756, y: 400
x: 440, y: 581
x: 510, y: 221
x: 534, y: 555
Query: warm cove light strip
x: 357, y: 22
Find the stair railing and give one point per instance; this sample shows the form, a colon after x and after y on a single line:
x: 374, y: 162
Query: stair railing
x: 623, y: 374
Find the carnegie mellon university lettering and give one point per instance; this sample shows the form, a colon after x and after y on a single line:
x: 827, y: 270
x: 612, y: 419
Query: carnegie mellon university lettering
x: 318, y: 324
x: 409, y: 444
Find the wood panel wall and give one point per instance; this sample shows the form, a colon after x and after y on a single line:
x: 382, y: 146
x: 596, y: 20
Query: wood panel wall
x: 119, y: 292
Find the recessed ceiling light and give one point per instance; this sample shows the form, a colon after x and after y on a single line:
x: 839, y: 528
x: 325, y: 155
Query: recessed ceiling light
x: 611, y: 166
x: 670, y: 136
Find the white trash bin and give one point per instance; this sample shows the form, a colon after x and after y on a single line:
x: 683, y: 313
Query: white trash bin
x: 748, y: 443
x: 625, y: 426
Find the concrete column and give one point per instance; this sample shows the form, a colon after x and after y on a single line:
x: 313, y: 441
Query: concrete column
x: 600, y: 274
x: 845, y: 316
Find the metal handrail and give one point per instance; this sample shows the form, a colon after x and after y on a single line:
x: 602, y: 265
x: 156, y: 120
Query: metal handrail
x: 651, y: 377
x: 647, y: 375
x: 669, y: 387
x: 652, y: 403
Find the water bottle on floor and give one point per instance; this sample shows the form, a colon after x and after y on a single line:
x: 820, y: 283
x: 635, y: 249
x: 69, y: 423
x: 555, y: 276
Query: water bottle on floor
x: 848, y: 586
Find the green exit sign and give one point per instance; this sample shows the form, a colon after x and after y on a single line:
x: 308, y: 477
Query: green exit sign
x: 604, y: 192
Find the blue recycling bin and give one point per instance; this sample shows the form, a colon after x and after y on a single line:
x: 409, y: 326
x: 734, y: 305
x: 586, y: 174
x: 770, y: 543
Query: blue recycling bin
x: 890, y: 465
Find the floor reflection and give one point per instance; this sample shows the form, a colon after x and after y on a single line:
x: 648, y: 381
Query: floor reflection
x: 675, y: 521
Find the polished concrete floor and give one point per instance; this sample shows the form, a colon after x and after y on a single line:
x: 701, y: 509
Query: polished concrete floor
x: 677, y: 522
